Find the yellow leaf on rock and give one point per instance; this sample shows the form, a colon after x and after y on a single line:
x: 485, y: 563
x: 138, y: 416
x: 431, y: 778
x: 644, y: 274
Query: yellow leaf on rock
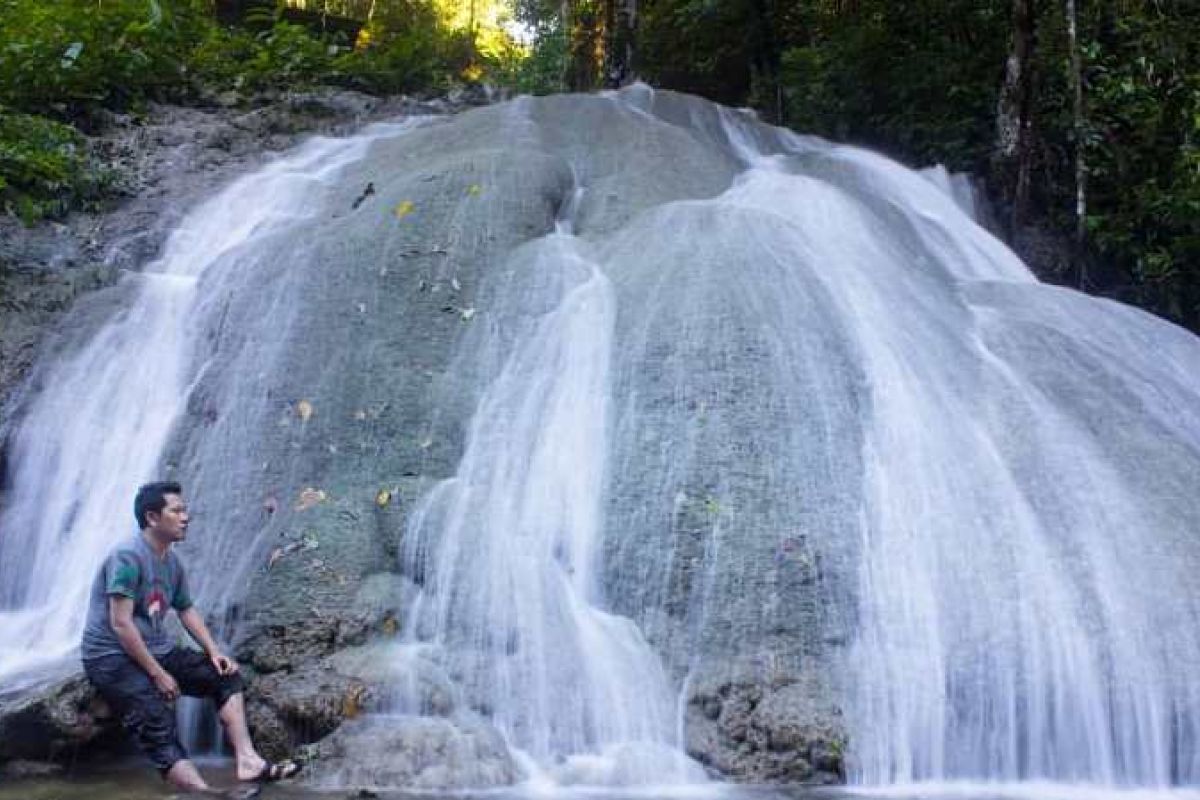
x: 383, y: 498
x: 309, y: 498
x: 304, y: 410
x: 404, y: 209
x: 352, y: 701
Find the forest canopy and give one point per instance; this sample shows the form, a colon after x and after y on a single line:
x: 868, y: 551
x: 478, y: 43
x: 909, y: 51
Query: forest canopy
x: 1081, y: 117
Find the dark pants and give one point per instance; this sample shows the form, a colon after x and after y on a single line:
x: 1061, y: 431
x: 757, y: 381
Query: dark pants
x: 143, y: 711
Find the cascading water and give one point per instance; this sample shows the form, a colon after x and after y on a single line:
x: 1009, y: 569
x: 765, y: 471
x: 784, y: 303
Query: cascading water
x: 1015, y: 625
x: 509, y: 543
x: 721, y: 440
x: 99, y: 426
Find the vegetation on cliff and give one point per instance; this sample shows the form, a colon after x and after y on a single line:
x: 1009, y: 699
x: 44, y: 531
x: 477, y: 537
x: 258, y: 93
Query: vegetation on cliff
x: 63, y: 63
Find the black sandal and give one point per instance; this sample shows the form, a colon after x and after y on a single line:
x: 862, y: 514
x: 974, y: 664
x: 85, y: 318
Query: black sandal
x: 278, y: 771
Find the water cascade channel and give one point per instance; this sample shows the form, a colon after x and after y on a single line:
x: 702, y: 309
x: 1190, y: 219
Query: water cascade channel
x: 709, y: 444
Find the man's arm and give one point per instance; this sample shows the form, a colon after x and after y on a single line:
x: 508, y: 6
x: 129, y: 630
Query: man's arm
x: 194, y: 623
x: 120, y: 616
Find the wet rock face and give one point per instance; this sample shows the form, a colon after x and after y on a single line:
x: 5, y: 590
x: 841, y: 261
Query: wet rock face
x: 55, y: 722
x: 289, y: 709
x: 419, y: 753
x: 761, y: 734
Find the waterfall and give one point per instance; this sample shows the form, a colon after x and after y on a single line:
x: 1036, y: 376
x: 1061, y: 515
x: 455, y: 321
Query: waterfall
x: 97, y: 428
x: 687, y: 434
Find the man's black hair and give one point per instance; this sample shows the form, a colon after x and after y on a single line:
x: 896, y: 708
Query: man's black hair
x: 153, y: 497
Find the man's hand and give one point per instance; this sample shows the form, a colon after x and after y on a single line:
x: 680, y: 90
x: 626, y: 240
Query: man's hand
x: 224, y: 664
x: 166, y: 686
x: 193, y: 623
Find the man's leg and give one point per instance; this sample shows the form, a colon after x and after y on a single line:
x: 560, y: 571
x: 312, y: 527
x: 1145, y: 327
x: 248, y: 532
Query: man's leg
x: 197, y: 677
x: 149, y: 718
x: 233, y: 716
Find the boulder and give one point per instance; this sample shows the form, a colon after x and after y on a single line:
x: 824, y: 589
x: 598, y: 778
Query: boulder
x: 53, y: 721
x: 767, y: 734
x: 421, y: 753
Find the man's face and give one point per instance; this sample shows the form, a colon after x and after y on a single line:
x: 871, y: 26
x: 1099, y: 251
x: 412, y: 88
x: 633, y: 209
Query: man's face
x: 171, y: 523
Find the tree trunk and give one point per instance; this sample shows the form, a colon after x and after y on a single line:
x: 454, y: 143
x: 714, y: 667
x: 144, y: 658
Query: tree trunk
x: 767, y: 57
x: 1014, y: 114
x: 1077, y: 120
x: 585, y: 44
x: 473, y: 56
x: 621, y: 30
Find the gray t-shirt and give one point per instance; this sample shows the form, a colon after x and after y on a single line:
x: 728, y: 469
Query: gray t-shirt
x: 155, y: 585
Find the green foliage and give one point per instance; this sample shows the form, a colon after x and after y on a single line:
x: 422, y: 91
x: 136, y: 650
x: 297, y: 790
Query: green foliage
x: 65, y: 56
x: 402, y: 62
x: 918, y: 80
x: 69, y: 58
x: 698, y: 46
x: 542, y: 68
x: 1143, y: 148
x: 44, y: 167
x: 286, y: 55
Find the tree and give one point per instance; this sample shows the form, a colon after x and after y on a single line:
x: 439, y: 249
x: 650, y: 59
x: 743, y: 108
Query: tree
x: 1014, y: 112
x: 621, y: 25
x: 1077, y: 128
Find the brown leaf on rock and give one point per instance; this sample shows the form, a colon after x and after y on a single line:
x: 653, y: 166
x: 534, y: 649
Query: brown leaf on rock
x: 309, y: 498
x: 353, y: 701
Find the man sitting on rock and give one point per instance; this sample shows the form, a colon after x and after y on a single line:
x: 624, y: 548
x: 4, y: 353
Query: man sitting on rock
x: 131, y: 659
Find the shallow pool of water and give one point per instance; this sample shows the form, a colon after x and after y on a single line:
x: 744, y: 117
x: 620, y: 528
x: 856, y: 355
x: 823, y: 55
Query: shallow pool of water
x: 133, y: 781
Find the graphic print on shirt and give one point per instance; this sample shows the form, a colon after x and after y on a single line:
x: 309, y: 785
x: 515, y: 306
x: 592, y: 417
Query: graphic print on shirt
x: 156, y: 605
